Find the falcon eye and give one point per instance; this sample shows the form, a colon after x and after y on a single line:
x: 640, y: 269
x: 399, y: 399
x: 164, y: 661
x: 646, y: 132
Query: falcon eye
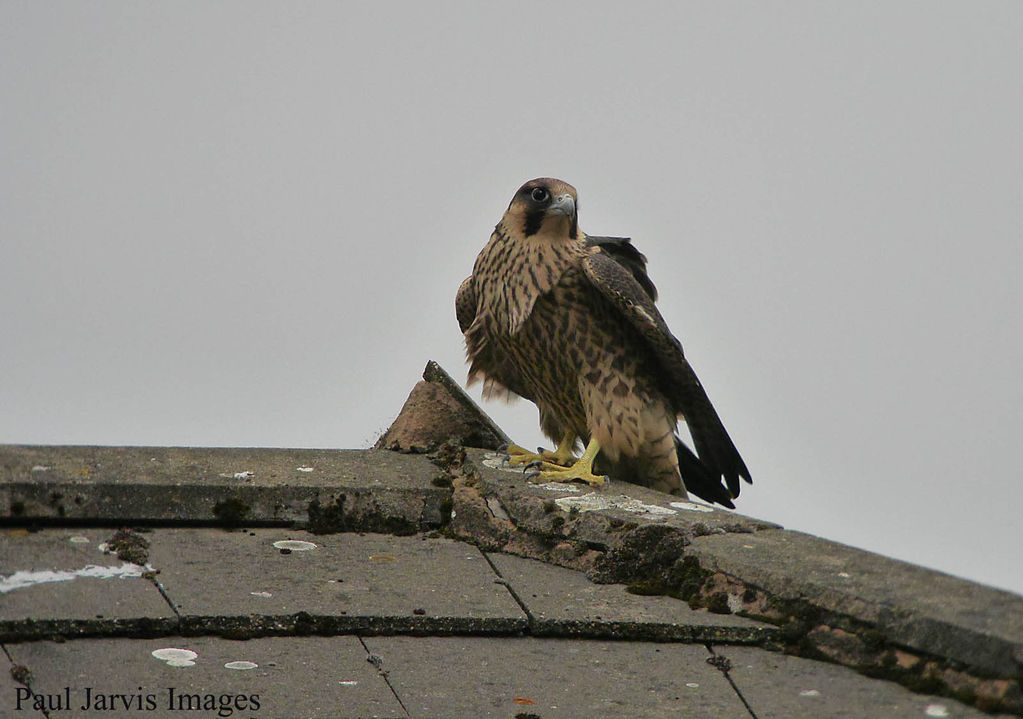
x: 539, y: 194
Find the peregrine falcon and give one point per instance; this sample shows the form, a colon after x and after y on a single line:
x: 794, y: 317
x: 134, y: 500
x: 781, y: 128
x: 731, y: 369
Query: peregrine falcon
x: 568, y: 321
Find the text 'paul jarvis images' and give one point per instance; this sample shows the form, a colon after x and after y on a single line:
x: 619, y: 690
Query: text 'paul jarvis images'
x: 166, y: 700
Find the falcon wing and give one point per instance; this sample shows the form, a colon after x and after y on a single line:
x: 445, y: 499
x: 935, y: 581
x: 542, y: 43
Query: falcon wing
x: 500, y: 378
x: 678, y: 381
x: 465, y: 304
x: 626, y: 254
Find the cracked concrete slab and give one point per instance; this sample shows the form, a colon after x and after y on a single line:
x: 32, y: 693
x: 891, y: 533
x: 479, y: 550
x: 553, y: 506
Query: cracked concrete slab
x: 59, y: 581
x: 15, y: 696
x: 906, y: 623
x: 915, y: 607
x: 295, y: 582
x: 553, y: 678
x: 330, y: 490
x: 778, y: 685
x: 563, y: 602
x: 282, y: 677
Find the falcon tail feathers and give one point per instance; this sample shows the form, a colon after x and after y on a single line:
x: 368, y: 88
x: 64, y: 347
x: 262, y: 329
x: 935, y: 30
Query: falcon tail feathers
x: 716, y: 449
x: 700, y: 480
x: 710, y: 438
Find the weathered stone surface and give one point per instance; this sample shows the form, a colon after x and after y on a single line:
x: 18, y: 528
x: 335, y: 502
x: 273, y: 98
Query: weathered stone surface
x: 830, y: 601
x: 916, y: 607
x: 553, y: 678
x: 60, y: 582
x: 293, y: 677
x: 332, y: 490
x: 438, y: 411
x: 599, y: 531
x: 268, y: 581
x: 777, y: 685
x: 563, y: 602
x: 610, y: 507
x: 923, y: 629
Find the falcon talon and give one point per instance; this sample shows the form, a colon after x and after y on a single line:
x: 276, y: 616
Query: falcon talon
x: 520, y: 455
x: 580, y: 336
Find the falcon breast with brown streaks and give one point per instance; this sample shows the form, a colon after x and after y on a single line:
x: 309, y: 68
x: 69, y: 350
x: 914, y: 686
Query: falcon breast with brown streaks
x: 568, y: 321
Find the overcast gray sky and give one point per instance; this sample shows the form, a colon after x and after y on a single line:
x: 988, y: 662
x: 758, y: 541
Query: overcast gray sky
x: 243, y: 223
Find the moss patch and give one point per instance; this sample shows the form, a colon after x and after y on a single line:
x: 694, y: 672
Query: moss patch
x: 343, y: 514
x: 231, y: 511
x: 129, y: 546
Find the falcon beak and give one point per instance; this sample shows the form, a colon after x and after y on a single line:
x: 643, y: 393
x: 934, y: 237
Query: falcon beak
x: 562, y: 205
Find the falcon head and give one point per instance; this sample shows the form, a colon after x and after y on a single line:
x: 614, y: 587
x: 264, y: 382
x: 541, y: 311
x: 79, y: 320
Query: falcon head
x: 545, y: 208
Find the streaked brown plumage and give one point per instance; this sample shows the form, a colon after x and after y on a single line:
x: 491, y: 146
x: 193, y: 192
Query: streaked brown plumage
x: 569, y: 322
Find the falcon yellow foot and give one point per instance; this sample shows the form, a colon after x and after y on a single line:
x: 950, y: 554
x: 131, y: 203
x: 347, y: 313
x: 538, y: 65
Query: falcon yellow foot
x: 581, y: 470
x: 563, y: 456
